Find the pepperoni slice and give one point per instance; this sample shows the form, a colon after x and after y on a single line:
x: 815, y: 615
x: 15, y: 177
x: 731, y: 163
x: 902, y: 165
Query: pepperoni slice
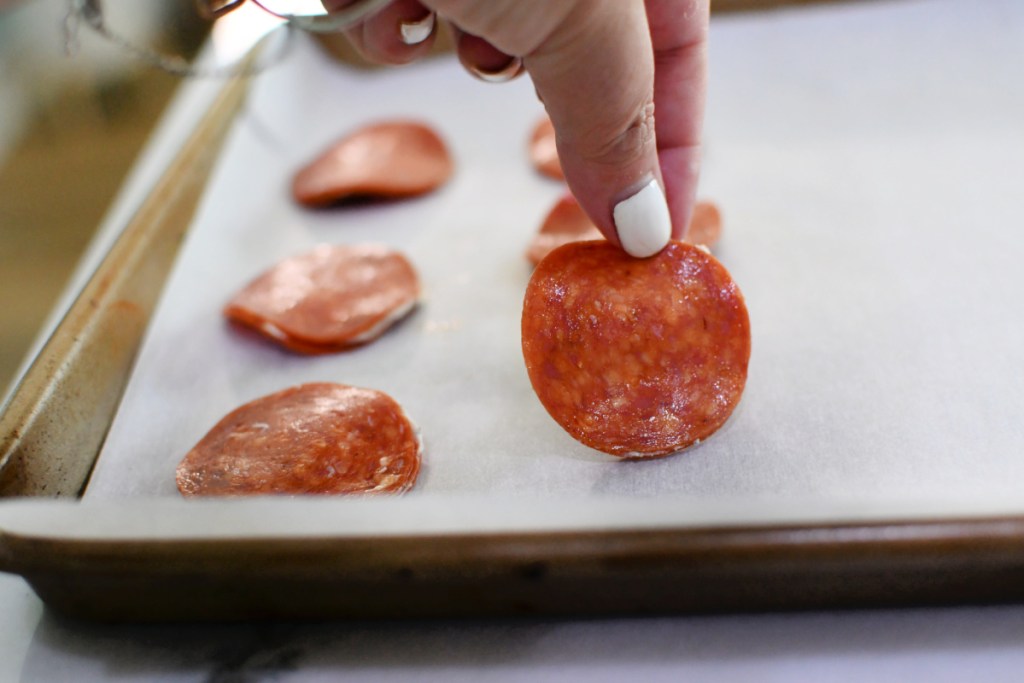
x: 705, y: 225
x: 638, y: 358
x: 311, y: 439
x: 567, y: 223
x: 543, y: 152
x: 386, y: 160
x: 328, y: 299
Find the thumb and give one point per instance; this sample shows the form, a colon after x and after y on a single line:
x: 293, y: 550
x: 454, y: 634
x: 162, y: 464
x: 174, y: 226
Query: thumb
x: 595, y: 74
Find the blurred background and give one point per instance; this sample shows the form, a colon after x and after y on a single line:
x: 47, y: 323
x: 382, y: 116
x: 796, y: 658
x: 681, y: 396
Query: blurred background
x: 70, y: 127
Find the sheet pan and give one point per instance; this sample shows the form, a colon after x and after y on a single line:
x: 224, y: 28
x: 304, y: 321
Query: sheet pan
x: 869, y: 178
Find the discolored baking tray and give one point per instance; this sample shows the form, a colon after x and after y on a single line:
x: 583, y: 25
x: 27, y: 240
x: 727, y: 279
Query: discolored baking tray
x: 54, y: 420
x: 171, y: 561
x: 873, y: 461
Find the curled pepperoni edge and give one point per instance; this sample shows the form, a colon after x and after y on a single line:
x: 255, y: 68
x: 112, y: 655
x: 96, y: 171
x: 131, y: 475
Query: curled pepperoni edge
x: 264, y: 325
x: 375, y: 188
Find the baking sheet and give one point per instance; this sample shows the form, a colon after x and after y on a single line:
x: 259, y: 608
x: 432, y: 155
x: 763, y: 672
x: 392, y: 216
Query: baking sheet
x: 869, y: 176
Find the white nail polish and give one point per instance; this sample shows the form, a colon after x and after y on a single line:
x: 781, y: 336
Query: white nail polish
x: 642, y: 221
x: 503, y: 75
x: 415, y: 32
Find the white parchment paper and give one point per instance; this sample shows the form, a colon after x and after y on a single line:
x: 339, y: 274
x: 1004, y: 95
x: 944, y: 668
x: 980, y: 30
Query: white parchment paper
x: 869, y: 162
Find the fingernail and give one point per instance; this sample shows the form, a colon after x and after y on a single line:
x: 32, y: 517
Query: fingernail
x: 642, y: 221
x: 506, y: 73
x: 415, y: 32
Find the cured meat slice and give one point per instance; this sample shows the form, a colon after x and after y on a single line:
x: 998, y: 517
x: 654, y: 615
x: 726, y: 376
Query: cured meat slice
x: 544, y: 152
x: 317, y: 438
x: 705, y: 225
x: 567, y: 223
x: 635, y: 357
x: 328, y: 299
x: 385, y: 160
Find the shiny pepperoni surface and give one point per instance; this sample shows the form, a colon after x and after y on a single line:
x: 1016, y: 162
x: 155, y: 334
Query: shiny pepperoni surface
x: 319, y: 438
x: 635, y: 357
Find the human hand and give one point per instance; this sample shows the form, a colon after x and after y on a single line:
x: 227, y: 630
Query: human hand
x: 622, y: 80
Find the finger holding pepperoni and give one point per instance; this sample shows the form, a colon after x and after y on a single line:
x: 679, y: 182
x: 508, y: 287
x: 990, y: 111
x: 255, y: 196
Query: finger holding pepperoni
x: 567, y: 223
x: 602, y: 67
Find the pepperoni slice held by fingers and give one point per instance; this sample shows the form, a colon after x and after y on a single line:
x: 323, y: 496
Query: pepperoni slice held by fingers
x: 385, y: 160
x: 567, y: 223
x: 638, y: 358
x: 328, y: 299
x: 544, y: 152
x: 311, y: 439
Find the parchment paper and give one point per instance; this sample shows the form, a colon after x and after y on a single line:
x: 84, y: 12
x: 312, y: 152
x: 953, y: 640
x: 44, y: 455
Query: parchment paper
x: 869, y: 162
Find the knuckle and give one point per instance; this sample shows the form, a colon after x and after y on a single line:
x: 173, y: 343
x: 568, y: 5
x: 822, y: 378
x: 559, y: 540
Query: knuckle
x: 625, y: 144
